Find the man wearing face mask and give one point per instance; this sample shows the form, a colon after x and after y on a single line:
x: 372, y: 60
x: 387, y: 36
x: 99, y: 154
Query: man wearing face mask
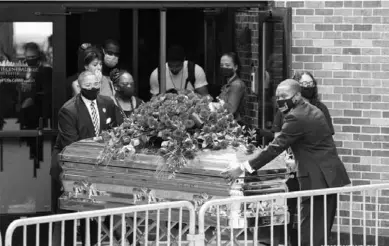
x: 111, y: 59
x: 83, y: 116
x: 180, y: 74
x: 306, y: 132
x: 36, y: 96
x: 309, y: 92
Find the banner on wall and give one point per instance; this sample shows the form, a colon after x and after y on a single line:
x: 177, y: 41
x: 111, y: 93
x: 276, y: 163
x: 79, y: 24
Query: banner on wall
x: 17, y: 72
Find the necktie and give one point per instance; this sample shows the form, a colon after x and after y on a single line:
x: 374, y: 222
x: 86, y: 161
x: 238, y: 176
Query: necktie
x: 94, y: 118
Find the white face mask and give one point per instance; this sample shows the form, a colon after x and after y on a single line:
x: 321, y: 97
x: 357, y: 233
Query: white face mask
x: 111, y: 60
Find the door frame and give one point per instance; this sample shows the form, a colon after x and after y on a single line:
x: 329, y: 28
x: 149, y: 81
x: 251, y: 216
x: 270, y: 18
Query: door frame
x: 42, y: 12
x: 45, y: 12
x: 163, y: 6
x: 283, y: 15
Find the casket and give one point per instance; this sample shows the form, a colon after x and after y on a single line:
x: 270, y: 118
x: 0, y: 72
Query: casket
x: 90, y: 186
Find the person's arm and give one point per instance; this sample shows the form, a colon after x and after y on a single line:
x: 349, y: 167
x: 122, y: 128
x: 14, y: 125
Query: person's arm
x: 234, y: 96
x: 291, y: 132
x: 326, y: 113
x: 276, y: 127
x: 75, y: 87
x: 201, y: 84
x: 264, y: 133
x: 203, y: 91
x: 154, y: 84
x: 67, y: 129
x: 117, y: 117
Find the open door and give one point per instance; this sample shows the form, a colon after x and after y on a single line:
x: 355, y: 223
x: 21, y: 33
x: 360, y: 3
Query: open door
x: 219, y: 37
x: 31, y: 72
x: 275, y: 59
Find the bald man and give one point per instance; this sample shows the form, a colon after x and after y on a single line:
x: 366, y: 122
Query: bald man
x: 306, y: 131
x: 83, y: 116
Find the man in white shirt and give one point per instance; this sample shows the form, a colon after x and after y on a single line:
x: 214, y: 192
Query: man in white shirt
x: 180, y: 74
x: 83, y: 116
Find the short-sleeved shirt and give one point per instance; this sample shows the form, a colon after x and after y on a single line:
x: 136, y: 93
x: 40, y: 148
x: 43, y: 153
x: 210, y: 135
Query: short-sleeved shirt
x: 178, y: 81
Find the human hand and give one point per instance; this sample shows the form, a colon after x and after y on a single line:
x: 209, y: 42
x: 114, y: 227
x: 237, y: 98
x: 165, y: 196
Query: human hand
x: 27, y: 103
x: 232, y: 173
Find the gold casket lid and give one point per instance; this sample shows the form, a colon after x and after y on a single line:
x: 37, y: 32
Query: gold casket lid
x: 208, y: 163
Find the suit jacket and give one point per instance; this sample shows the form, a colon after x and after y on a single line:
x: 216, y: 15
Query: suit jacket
x: 279, y: 117
x: 75, y: 123
x: 306, y: 131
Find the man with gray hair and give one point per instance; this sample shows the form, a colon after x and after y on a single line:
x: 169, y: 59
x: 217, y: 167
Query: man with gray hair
x: 83, y: 116
x: 306, y: 131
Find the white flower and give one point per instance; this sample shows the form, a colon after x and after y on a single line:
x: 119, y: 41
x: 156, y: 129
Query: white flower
x: 135, y: 142
x: 104, y: 110
x: 211, y: 107
x: 129, y: 148
x: 108, y: 121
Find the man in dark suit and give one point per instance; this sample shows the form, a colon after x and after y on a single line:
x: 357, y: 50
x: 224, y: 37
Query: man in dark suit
x: 83, y: 116
x: 306, y: 131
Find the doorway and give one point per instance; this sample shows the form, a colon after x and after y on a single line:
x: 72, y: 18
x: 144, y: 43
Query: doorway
x: 185, y: 27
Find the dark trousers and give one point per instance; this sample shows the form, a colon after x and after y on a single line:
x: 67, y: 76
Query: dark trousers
x: 319, y: 219
x: 293, y: 185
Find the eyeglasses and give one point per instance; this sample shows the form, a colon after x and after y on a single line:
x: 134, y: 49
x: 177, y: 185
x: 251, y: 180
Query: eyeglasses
x: 307, y: 83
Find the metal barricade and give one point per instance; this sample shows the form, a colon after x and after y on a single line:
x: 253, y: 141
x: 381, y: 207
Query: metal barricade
x: 251, y: 220
x: 143, y: 224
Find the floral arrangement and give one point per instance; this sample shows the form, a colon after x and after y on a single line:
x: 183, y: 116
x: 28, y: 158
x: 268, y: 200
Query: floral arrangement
x: 175, y: 126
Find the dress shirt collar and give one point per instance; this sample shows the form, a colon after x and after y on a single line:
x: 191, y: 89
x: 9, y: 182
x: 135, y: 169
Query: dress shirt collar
x: 87, y: 101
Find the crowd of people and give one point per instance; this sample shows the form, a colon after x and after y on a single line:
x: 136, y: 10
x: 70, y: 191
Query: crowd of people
x: 103, y: 96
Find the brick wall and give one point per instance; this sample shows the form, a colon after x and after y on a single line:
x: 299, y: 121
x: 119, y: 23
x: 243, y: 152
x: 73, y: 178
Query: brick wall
x: 248, y: 54
x: 346, y: 46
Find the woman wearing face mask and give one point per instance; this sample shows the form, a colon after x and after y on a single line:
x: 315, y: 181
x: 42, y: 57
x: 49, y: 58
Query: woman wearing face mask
x: 125, y: 95
x: 309, y: 91
x: 89, y: 60
x: 233, y: 93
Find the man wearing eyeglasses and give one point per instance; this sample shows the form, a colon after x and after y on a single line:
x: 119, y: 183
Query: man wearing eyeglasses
x: 180, y: 74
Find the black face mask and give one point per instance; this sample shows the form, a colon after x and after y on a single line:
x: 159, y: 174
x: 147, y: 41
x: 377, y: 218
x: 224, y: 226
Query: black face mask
x: 285, y: 105
x: 90, y: 94
x: 227, y: 72
x: 32, y: 62
x: 174, y: 91
x: 307, y: 92
x: 126, y: 92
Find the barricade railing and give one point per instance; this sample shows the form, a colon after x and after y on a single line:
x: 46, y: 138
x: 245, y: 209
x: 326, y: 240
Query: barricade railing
x: 161, y: 223
x: 251, y: 220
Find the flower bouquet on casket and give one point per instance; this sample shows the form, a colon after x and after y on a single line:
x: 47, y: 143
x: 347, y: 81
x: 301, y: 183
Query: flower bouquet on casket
x: 175, y: 126
x: 182, y: 129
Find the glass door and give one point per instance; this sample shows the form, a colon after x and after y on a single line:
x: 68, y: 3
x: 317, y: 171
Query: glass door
x: 31, y: 91
x: 275, y: 59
